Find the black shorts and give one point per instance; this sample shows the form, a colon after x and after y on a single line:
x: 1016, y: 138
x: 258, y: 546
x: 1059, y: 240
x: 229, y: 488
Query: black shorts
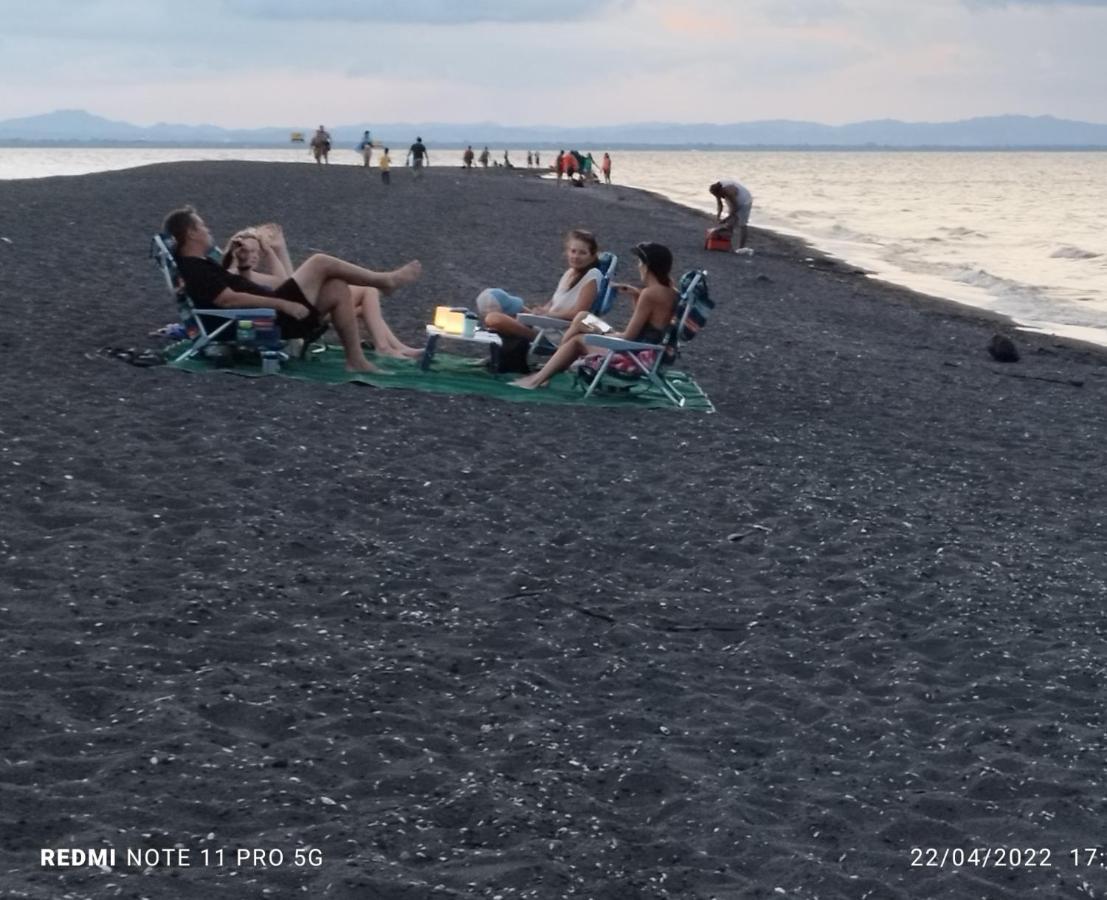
x: 291, y: 327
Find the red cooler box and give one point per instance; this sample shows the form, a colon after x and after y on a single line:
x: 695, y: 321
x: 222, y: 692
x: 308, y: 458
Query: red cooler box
x: 713, y: 241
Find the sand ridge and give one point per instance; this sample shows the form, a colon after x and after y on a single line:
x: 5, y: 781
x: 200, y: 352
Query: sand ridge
x: 468, y: 648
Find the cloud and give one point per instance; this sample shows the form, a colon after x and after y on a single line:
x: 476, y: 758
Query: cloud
x: 427, y: 12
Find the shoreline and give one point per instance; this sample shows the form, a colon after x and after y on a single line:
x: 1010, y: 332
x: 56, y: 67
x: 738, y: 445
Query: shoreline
x: 461, y: 646
x: 945, y: 289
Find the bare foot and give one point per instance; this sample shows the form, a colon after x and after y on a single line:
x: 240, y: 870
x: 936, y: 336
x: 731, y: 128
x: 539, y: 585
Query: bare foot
x: 403, y: 276
x: 406, y: 353
x: 365, y: 367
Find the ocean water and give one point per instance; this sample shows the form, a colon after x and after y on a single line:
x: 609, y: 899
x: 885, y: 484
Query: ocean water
x: 1018, y: 233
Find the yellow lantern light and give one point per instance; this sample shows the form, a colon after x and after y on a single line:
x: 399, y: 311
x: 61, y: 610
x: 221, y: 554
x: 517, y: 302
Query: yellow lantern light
x: 450, y: 319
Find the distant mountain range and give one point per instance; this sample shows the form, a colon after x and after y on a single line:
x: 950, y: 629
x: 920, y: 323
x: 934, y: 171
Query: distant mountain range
x: 78, y: 126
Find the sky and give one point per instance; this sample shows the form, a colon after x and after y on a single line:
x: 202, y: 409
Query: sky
x: 252, y: 63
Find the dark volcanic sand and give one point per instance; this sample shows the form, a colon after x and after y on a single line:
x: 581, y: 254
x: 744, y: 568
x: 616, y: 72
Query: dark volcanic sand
x: 476, y: 649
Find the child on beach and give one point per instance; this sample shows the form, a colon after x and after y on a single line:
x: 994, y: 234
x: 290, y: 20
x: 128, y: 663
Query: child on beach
x: 317, y: 288
x: 260, y: 254
x: 575, y: 293
x: 386, y: 165
x: 654, y: 304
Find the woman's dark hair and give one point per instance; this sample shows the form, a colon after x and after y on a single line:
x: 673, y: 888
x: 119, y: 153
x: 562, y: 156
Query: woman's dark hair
x: 589, y: 240
x: 177, y: 224
x: 658, y: 259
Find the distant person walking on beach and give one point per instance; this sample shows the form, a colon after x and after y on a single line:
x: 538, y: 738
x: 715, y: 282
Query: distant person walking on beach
x: 507, y: 162
x: 365, y: 145
x: 467, y: 158
x: 560, y: 165
x: 417, y: 157
x: 530, y: 159
x: 260, y: 255
x: 739, y: 203
x: 386, y: 167
x: 318, y: 288
x: 484, y: 157
x: 321, y: 146
x: 537, y: 158
x: 605, y: 167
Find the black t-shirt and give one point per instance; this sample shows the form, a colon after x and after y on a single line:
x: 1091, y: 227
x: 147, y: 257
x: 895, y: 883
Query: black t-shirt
x: 205, y: 280
x: 418, y: 151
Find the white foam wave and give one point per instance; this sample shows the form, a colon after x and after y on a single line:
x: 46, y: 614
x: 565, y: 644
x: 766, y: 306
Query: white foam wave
x: 1067, y: 251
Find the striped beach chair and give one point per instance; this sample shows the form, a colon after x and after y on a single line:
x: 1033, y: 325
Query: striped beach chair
x: 199, y: 334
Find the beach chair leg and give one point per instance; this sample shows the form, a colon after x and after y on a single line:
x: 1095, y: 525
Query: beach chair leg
x: 428, y: 353
x: 670, y: 393
x: 599, y: 375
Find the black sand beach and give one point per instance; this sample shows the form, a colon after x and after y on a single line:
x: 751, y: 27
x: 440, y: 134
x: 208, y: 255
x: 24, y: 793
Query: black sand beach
x: 465, y: 648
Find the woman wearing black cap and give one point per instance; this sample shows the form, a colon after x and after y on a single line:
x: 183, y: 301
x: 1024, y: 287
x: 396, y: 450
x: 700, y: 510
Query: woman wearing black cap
x: 654, y: 303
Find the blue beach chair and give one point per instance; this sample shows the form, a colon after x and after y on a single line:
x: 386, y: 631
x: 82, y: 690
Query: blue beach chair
x: 630, y: 363
x: 605, y: 299
x: 200, y: 334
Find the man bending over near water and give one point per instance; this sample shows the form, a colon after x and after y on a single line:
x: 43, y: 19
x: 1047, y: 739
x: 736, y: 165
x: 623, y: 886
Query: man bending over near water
x: 739, y: 202
x: 318, y: 288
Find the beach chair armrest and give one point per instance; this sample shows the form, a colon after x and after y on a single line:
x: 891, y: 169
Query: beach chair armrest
x: 543, y: 322
x: 604, y: 342
x: 251, y: 313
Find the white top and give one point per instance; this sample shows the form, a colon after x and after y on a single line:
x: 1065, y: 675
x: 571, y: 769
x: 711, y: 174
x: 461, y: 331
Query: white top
x: 565, y: 298
x: 745, y: 198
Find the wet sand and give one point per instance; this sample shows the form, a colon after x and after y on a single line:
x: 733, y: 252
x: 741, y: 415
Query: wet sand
x: 473, y: 649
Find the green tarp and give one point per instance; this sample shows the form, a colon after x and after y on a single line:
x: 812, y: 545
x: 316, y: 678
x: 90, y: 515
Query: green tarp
x: 450, y: 374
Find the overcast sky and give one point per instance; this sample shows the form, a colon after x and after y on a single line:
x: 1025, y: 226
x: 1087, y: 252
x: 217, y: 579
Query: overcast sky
x: 561, y: 62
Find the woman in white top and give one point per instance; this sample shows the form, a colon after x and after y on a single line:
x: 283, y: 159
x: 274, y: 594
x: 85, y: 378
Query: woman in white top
x: 576, y: 291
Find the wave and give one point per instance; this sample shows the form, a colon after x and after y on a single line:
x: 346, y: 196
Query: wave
x: 959, y: 231
x: 1067, y: 251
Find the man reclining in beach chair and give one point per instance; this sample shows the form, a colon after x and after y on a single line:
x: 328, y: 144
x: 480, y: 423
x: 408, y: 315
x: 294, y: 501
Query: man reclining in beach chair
x: 318, y: 288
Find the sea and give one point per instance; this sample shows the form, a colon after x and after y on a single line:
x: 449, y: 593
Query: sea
x: 1018, y: 233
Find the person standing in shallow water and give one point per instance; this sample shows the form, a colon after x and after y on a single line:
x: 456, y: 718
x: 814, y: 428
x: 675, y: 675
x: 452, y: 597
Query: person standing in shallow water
x: 366, y: 148
x: 605, y: 167
x: 467, y: 158
x: 484, y: 157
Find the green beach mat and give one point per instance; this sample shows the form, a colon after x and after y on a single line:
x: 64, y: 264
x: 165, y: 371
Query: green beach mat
x: 450, y: 374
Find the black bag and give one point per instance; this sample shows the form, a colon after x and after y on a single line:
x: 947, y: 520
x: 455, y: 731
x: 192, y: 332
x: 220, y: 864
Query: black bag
x: 511, y: 356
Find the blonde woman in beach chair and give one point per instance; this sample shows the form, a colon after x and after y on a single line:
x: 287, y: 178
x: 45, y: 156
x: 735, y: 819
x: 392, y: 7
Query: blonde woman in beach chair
x: 654, y: 303
x: 260, y: 254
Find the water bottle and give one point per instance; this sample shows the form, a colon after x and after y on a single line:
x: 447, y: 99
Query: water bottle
x: 245, y: 336
x: 270, y: 362
x: 266, y: 334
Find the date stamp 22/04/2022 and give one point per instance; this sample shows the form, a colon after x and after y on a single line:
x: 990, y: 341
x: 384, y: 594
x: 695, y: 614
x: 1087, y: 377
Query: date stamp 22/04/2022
x: 1008, y: 858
